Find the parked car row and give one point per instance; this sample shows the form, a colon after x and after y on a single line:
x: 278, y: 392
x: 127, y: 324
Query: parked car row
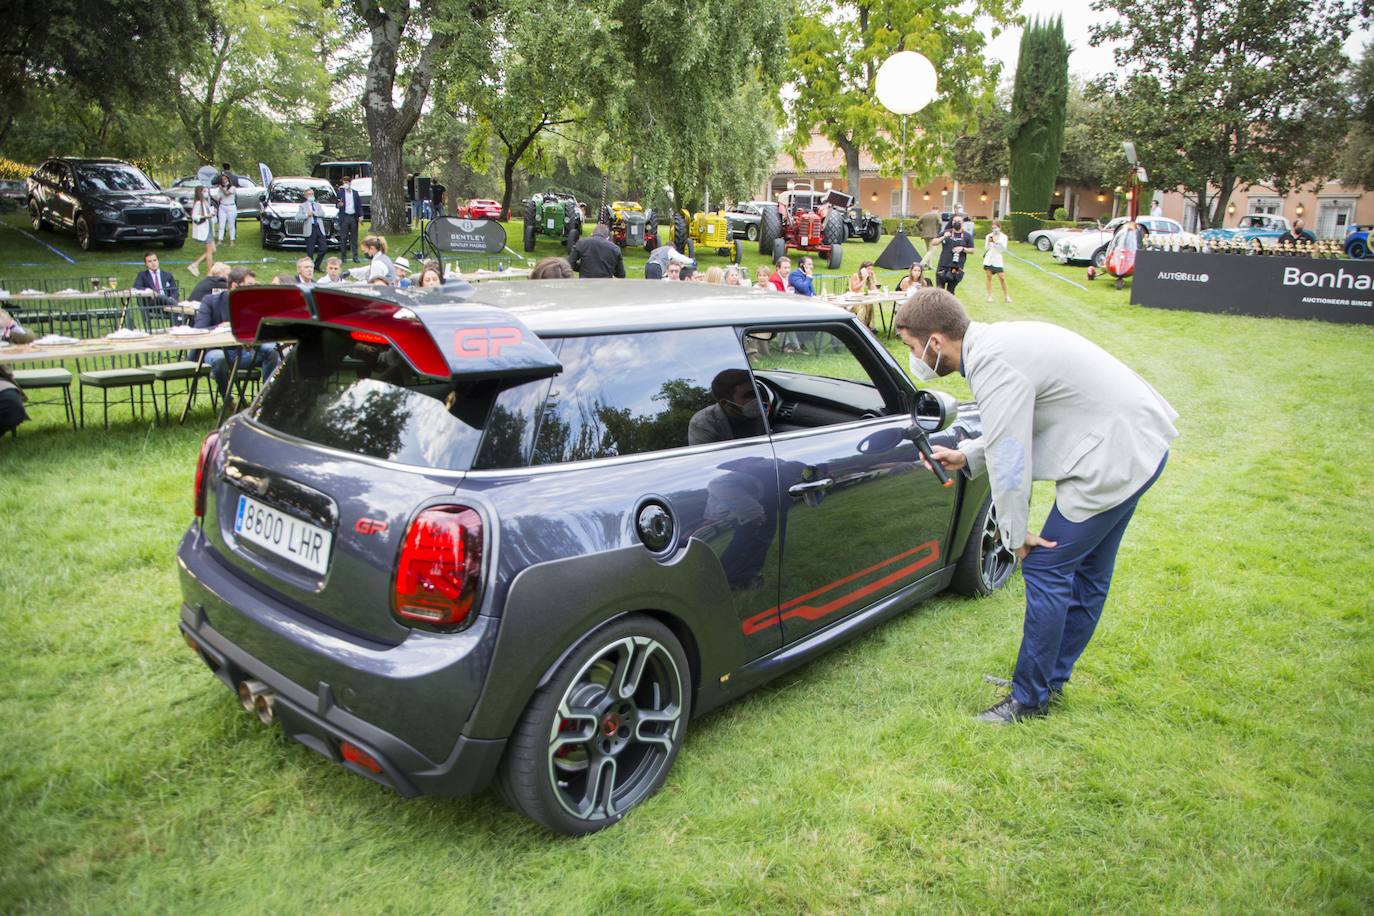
x: 1090, y: 245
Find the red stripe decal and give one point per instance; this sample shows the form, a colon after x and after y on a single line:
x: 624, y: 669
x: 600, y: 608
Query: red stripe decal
x: 798, y: 607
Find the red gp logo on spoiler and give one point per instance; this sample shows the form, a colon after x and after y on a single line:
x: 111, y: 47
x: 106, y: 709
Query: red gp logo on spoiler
x: 483, y: 343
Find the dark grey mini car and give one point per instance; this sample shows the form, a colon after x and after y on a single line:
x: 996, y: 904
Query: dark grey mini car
x: 524, y: 533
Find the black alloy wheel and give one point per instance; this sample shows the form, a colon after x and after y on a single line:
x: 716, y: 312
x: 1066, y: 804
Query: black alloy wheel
x: 83, y: 233
x: 600, y: 737
x: 36, y: 217
x: 1357, y: 250
x: 987, y: 562
x: 873, y: 233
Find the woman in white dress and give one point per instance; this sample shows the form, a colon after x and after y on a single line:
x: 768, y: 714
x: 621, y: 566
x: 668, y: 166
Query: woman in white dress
x: 228, y: 213
x: 202, y: 212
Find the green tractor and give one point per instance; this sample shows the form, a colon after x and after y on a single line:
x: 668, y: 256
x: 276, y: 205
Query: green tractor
x: 705, y: 230
x: 554, y: 215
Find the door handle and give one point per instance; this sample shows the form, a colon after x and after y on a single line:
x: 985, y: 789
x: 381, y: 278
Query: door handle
x: 811, y: 486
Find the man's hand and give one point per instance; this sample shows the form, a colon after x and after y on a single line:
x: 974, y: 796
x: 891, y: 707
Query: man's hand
x: 1033, y: 540
x: 951, y: 459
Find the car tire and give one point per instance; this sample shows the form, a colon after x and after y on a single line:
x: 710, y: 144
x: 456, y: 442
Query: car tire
x: 779, y: 249
x: 833, y: 231
x: 770, y: 232
x: 681, y: 238
x: 36, y: 218
x: 1043, y: 243
x: 873, y: 233
x: 691, y: 250
x: 751, y: 232
x: 83, y: 233
x: 572, y: 783
x: 572, y: 223
x: 1099, y: 258
x: 836, y: 256
x: 736, y: 252
x: 986, y: 563
x: 1357, y: 250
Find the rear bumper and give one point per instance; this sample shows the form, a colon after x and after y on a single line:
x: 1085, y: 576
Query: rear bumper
x: 316, y: 721
x: 403, y: 704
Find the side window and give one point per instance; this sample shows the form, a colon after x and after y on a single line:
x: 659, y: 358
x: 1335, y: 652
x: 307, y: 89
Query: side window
x: 820, y: 377
x: 625, y: 394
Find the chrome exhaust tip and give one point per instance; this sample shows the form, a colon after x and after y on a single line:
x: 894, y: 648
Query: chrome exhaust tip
x: 264, y: 704
x: 249, y: 691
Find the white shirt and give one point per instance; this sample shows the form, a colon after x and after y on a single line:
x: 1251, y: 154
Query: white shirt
x: 994, y: 247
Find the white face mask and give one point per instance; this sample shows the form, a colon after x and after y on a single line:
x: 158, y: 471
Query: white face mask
x: 920, y: 368
x: 750, y: 410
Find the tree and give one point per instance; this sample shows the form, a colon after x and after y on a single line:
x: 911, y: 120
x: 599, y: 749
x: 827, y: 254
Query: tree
x: 253, y: 59
x: 406, y: 41
x: 112, y: 53
x: 1039, y: 101
x: 833, y: 54
x: 1356, y: 166
x: 1092, y: 154
x: 983, y: 156
x: 1217, y: 94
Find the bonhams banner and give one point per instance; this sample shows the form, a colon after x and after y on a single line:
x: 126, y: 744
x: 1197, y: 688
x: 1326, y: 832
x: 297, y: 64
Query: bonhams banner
x: 1269, y: 286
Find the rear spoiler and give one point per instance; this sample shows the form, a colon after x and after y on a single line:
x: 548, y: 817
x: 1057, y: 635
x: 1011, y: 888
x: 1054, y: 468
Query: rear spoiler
x: 438, y: 334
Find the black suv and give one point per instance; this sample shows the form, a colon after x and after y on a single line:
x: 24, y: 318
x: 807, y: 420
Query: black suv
x: 525, y: 533
x: 103, y: 200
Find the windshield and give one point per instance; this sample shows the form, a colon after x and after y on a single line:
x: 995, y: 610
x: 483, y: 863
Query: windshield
x: 113, y: 178
x: 294, y: 193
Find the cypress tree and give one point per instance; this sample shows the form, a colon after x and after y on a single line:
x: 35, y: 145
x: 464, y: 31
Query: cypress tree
x: 1039, y: 106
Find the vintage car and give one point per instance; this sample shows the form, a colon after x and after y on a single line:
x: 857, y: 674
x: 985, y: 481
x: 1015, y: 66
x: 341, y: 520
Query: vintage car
x: 1044, y: 239
x: 508, y: 533
x: 103, y: 200
x: 480, y: 208
x: 744, y: 218
x: 1266, y: 227
x: 1357, y: 243
x: 1090, y: 246
x: 247, y: 194
x: 280, y: 202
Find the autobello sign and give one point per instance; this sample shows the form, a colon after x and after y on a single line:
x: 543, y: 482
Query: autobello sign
x: 1267, y: 286
x: 467, y: 236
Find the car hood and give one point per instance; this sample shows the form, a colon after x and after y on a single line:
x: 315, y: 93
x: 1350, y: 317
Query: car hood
x: 1087, y: 237
x: 1229, y: 233
x: 288, y: 211
x: 123, y: 198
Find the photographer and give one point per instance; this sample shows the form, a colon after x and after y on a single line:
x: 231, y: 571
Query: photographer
x: 955, y: 244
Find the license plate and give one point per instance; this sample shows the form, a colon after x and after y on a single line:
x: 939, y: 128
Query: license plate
x: 286, y: 536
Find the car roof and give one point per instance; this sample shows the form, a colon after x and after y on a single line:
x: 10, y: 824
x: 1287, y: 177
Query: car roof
x: 345, y: 162
x: 306, y: 180
x: 89, y: 160
x: 572, y: 307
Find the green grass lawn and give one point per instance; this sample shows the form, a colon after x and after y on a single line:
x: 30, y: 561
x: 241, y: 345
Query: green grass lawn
x: 1214, y: 752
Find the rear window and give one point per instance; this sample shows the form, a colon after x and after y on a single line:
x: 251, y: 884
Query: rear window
x: 363, y: 398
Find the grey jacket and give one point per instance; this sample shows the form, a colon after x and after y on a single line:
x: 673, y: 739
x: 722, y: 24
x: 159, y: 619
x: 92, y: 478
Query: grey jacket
x: 1058, y: 407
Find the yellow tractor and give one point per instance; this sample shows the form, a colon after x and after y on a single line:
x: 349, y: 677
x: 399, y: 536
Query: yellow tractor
x: 705, y: 230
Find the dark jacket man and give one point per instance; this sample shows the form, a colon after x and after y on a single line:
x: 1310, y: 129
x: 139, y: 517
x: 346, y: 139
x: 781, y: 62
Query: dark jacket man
x: 154, y: 278
x: 596, y: 256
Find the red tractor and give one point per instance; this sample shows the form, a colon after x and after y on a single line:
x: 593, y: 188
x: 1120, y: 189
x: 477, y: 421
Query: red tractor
x: 806, y: 220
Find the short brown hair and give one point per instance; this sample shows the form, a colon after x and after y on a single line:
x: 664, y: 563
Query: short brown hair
x: 929, y: 310
x: 552, y: 268
x: 238, y: 275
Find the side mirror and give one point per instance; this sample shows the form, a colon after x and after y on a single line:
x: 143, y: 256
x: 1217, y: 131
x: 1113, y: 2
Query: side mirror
x: 934, y: 410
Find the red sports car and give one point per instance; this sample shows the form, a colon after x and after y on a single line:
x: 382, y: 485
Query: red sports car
x: 480, y: 208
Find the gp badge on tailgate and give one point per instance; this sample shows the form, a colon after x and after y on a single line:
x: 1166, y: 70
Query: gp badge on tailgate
x: 483, y: 341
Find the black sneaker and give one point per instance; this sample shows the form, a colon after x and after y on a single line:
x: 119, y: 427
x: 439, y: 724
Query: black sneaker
x: 1056, y: 693
x: 1009, y: 711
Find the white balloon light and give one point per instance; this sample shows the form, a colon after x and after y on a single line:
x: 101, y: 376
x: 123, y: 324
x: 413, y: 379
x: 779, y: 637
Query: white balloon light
x: 906, y: 83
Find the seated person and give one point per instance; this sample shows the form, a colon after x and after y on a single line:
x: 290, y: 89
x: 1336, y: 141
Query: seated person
x: 305, y: 271
x: 217, y: 278
x: 914, y: 279
x: 552, y: 268
x: 737, y: 413
x: 688, y: 273
x: 782, y: 267
x: 864, y: 280
x: 12, y: 411
x: 154, y: 278
x: 214, y: 311
x: 333, y: 272
x: 800, y: 278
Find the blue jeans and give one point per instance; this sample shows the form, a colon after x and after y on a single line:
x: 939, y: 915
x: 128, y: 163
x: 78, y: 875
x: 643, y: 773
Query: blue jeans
x: 1066, y: 587
x: 263, y: 356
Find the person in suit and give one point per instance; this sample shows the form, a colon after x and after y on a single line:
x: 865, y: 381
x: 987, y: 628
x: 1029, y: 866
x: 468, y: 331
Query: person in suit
x: 1054, y: 407
x: 305, y: 272
x: 350, y: 211
x: 596, y: 256
x: 160, y: 281
x: 311, y: 215
x: 213, y: 311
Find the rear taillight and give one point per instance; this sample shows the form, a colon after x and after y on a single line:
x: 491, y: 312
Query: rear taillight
x: 207, y: 449
x: 440, y: 568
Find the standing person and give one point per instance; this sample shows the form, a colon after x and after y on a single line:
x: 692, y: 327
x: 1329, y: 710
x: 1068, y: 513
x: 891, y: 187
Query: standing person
x: 311, y: 215
x: 160, y: 281
x: 929, y: 227
x: 993, y: 265
x: 955, y: 244
x: 412, y: 205
x: 1156, y: 209
x: 228, y: 208
x: 202, y: 212
x: 213, y: 311
x: 226, y: 172
x: 1055, y: 407
x: 1296, y: 234
x: 350, y: 211
x: 596, y: 256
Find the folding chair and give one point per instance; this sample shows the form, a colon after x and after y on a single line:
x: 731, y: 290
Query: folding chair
x: 169, y: 365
